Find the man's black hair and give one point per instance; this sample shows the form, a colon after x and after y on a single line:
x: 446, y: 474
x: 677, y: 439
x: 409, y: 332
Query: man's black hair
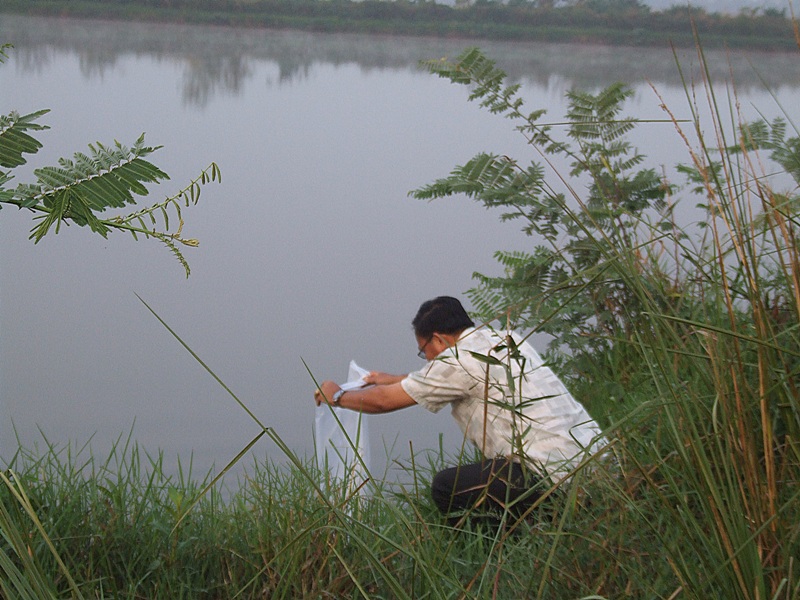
x: 441, y: 315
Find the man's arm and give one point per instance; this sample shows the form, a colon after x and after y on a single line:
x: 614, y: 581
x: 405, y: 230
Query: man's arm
x: 372, y: 400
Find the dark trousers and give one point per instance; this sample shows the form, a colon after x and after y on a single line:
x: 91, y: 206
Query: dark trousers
x: 484, y: 490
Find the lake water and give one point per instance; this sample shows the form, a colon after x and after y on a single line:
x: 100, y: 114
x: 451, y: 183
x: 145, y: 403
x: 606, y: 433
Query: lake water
x: 311, y: 250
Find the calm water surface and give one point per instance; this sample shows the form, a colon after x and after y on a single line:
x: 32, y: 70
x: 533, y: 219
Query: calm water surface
x: 311, y: 250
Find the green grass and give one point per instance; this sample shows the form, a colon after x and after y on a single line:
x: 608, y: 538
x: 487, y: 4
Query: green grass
x: 122, y: 528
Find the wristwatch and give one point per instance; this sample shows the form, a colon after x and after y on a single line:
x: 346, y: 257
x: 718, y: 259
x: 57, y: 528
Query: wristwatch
x: 337, y: 396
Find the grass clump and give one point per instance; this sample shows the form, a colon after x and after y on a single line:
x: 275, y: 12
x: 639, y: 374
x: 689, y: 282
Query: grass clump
x: 122, y: 528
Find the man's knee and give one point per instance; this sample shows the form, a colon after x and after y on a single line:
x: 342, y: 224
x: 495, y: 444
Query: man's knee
x: 443, y: 488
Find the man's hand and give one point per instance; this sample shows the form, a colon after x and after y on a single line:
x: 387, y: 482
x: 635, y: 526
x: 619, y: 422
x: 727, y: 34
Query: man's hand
x: 324, y: 393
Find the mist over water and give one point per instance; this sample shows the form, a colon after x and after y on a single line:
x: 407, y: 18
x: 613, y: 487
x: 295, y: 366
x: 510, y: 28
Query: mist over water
x: 311, y: 250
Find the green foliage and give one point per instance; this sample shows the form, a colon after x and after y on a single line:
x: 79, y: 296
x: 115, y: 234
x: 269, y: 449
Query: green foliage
x: 17, y: 142
x: 121, y: 528
x: 76, y: 190
x: 81, y: 190
x: 569, y: 286
x: 696, y: 330
x: 785, y: 151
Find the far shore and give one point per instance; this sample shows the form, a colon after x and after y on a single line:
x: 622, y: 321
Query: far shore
x: 614, y: 25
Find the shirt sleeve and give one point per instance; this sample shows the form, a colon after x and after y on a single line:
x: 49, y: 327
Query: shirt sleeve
x: 439, y: 383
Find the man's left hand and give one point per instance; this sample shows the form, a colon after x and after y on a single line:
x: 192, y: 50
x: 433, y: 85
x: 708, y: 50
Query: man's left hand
x: 324, y: 393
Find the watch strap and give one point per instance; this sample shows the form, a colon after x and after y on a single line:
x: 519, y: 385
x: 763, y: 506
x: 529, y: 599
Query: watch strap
x: 337, y: 396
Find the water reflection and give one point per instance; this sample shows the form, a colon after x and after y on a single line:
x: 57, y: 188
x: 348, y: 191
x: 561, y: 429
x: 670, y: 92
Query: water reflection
x: 214, y: 61
x: 207, y: 75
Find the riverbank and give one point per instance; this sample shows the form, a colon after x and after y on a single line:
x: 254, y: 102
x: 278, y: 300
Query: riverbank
x: 118, y: 527
x: 628, y: 24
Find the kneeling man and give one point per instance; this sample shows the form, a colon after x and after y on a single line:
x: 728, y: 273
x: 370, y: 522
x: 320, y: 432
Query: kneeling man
x: 528, y: 427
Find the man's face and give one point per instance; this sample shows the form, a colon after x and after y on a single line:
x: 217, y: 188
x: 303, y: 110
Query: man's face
x: 430, y: 348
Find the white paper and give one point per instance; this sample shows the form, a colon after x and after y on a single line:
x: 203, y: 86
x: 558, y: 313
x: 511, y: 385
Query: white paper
x: 341, y: 438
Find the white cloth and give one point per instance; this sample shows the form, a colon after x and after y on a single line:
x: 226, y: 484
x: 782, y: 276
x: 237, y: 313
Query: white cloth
x: 507, y: 402
x: 340, y: 436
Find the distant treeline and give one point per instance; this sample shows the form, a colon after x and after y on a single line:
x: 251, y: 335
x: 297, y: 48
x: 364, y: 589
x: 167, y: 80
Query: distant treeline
x: 624, y: 22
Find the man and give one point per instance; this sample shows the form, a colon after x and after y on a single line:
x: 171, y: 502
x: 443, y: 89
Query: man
x: 529, y: 428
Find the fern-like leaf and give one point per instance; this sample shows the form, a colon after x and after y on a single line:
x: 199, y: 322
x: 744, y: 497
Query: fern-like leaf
x: 106, y: 177
x: 14, y: 139
x: 785, y: 151
x: 146, y: 221
x: 494, y: 180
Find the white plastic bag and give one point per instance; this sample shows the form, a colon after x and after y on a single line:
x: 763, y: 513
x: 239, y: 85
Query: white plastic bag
x: 340, y: 435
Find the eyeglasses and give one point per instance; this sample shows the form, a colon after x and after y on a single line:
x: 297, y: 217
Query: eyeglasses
x: 421, y: 352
